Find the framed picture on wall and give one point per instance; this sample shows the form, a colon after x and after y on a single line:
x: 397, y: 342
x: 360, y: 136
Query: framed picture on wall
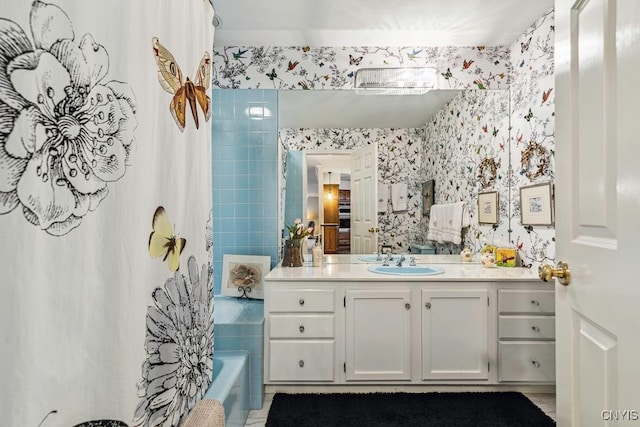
x: 428, y: 196
x: 488, y: 207
x: 536, y: 204
x: 243, y: 275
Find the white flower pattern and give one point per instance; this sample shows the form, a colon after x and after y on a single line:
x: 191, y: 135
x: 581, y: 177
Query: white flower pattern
x: 179, y: 365
x: 65, y: 133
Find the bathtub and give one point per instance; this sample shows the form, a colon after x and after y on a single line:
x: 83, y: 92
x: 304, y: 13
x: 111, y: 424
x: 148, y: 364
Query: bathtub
x: 231, y: 385
x: 239, y: 325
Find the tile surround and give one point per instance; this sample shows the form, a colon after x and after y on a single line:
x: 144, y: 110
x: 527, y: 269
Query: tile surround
x: 245, y: 188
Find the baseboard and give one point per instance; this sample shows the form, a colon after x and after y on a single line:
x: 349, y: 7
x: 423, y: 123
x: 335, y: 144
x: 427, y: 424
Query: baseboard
x: 366, y: 388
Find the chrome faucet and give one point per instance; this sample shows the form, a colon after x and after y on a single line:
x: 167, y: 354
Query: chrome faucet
x: 400, y: 259
x: 387, y: 257
x: 412, y: 261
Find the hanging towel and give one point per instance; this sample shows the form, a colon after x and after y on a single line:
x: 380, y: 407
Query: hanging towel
x: 399, y: 197
x: 435, y: 225
x: 447, y: 221
x: 383, y: 197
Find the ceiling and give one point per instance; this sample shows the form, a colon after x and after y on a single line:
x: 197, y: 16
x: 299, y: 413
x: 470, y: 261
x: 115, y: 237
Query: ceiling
x: 337, y: 23
x: 375, y: 22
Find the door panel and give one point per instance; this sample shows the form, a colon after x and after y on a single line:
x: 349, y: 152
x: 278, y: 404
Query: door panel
x: 364, y: 191
x: 597, y: 55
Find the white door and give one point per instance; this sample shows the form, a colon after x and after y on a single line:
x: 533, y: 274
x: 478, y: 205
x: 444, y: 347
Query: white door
x: 454, y: 335
x: 597, y: 63
x: 364, y: 193
x: 378, y: 334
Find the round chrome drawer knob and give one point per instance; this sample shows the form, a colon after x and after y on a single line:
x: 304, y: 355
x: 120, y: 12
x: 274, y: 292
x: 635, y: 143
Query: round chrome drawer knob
x: 301, y: 363
x: 301, y: 328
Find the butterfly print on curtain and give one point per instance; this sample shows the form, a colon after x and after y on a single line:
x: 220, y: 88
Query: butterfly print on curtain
x: 171, y: 80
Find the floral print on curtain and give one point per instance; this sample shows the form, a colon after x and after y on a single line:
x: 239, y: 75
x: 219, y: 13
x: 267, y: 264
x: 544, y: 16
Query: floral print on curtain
x: 99, y: 332
x: 67, y: 131
x: 179, y: 366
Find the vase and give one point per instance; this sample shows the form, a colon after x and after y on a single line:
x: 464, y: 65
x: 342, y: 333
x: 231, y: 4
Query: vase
x: 292, y: 253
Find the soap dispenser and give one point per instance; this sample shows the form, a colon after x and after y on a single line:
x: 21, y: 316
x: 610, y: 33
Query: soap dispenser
x: 316, y: 253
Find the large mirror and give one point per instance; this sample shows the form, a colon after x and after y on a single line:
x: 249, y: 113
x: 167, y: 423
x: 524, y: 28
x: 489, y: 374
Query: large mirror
x: 443, y: 135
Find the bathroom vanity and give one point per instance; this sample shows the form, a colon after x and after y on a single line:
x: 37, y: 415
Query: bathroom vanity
x: 341, y: 324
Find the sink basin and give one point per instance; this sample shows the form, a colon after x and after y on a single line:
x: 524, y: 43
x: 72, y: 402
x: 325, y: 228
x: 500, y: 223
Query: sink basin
x: 406, y: 270
x: 374, y: 258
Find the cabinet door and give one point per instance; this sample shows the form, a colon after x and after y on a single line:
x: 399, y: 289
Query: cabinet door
x: 378, y: 342
x: 454, y: 335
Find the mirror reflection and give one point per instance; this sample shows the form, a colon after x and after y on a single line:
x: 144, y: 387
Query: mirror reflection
x: 442, y: 136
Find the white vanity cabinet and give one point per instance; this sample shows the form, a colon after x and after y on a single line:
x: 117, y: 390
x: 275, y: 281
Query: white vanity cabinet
x: 455, y: 344
x: 378, y: 334
x: 526, y: 334
x: 341, y: 325
x: 301, y: 335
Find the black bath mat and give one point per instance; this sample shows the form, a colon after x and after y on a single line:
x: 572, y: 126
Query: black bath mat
x: 492, y: 409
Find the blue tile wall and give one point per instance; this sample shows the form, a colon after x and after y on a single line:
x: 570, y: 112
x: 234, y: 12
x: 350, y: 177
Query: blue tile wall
x: 244, y: 175
x: 245, y: 332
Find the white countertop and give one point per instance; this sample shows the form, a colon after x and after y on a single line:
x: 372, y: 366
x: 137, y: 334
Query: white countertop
x: 348, y: 268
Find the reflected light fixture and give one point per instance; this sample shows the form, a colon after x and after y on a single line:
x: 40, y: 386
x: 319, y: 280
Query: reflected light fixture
x: 395, y: 81
x: 330, y: 194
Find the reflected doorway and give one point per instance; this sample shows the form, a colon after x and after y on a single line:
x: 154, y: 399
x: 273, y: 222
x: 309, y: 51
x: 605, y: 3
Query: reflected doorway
x: 328, y: 199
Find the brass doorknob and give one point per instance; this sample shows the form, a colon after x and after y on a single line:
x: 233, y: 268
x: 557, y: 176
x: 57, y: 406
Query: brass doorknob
x: 373, y: 230
x: 562, y: 272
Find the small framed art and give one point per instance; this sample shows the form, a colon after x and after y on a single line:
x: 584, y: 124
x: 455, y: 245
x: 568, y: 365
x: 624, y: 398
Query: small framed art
x: 488, y: 207
x: 243, y: 275
x: 536, y: 204
x: 428, y: 196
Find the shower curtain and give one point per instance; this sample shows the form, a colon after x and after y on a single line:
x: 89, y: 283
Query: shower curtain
x: 106, y: 306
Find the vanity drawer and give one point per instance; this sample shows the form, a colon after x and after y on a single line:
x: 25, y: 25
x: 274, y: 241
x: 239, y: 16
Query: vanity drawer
x: 301, y: 300
x: 301, y: 326
x: 301, y: 360
x: 527, y: 327
x: 526, y: 301
x: 527, y: 361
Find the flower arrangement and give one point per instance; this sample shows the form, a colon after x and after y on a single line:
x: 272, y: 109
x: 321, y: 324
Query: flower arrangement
x: 298, y: 231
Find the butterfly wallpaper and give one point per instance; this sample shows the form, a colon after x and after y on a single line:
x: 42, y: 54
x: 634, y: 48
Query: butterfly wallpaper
x: 104, y: 205
x: 474, y: 138
x: 308, y: 68
x: 398, y: 161
x: 467, y: 126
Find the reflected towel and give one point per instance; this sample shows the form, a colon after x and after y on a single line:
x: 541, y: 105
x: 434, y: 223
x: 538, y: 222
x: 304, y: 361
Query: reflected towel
x: 399, y: 197
x: 383, y: 197
x: 446, y: 222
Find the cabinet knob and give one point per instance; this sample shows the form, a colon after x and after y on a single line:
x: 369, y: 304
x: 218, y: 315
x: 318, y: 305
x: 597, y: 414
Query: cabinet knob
x: 535, y: 302
x: 428, y: 306
x: 535, y: 329
x: 407, y: 306
x: 301, y: 301
x: 301, y: 363
x: 535, y: 363
x: 301, y: 328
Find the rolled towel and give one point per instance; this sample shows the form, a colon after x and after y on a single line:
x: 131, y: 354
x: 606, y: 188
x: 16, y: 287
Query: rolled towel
x: 207, y: 412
